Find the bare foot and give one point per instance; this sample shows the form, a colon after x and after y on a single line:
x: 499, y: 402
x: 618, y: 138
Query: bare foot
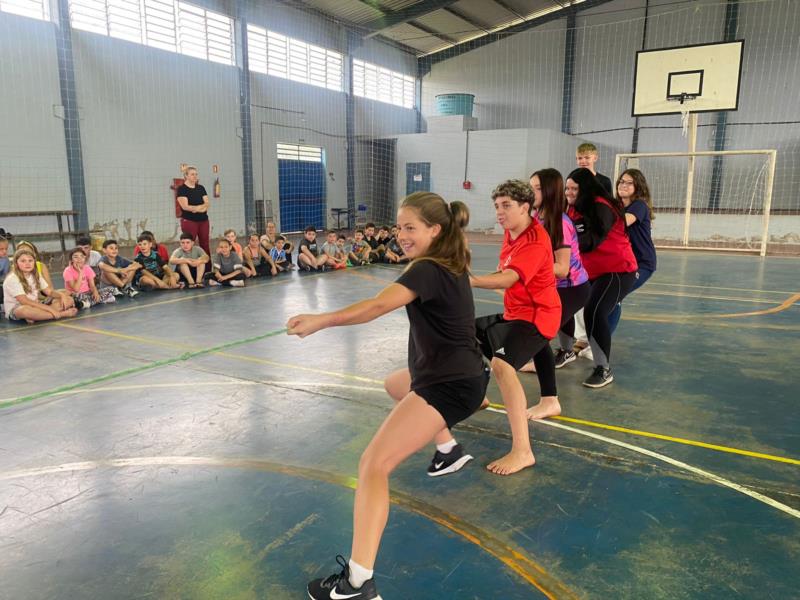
x: 70, y: 312
x: 511, y: 463
x: 484, y: 405
x: 548, y: 407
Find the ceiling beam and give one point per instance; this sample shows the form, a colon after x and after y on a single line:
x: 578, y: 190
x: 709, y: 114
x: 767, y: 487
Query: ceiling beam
x: 465, y: 17
x: 508, y: 8
x: 437, y: 34
x: 405, y: 15
x: 426, y: 62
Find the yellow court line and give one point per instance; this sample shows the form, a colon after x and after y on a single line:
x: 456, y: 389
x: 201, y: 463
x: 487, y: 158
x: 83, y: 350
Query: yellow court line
x: 716, y: 287
x: 182, y: 347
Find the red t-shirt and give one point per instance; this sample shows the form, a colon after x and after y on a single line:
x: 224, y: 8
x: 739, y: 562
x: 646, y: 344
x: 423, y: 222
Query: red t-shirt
x: 533, y: 297
x: 161, y: 250
x: 614, y: 254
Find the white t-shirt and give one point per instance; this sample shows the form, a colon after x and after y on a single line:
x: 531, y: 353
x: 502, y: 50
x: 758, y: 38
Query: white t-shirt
x: 12, y: 287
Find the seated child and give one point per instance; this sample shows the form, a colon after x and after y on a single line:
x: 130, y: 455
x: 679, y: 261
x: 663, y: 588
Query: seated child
x: 84, y: 242
x: 376, y: 248
x: 44, y: 272
x: 5, y: 265
x: 341, y: 247
x: 161, y: 249
x: 279, y: 256
x: 257, y: 261
x: 308, y: 256
x: 359, y: 250
x: 394, y: 253
x: 190, y: 260
x: 230, y: 235
x: 334, y: 258
x: 79, y: 278
x: 155, y: 274
x: 118, y: 271
x: 227, y: 266
x: 21, y: 289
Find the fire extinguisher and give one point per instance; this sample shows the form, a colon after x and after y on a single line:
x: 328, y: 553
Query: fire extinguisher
x: 217, y: 189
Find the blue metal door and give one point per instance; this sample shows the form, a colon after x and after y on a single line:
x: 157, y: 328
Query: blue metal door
x: 418, y: 177
x: 301, y: 186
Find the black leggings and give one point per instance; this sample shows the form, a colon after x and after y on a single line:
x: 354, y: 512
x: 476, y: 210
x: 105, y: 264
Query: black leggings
x: 608, y: 290
x: 572, y: 300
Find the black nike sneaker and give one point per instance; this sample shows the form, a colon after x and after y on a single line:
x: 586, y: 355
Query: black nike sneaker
x: 442, y: 464
x: 337, y: 587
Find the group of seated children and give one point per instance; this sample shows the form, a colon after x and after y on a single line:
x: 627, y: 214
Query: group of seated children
x: 339, y: 252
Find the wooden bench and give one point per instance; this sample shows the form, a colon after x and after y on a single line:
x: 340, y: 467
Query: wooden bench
x: 62, y: 217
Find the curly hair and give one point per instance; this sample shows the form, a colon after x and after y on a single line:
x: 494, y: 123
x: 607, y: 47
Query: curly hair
x: 516, y: 189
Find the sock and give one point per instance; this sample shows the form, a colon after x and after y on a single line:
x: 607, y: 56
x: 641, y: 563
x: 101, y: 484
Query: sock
x: 447, y: 446
x: 358, y: 574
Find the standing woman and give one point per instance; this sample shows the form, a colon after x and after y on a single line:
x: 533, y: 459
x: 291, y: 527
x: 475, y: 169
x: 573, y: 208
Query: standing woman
x: 633, y: 191
x: 193, y: 200
x: 607, y: 257
x: 572, y: 281
x: 447, y: 379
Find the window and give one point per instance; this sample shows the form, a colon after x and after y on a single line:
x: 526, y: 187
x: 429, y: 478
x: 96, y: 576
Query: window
x: 36, y: 9
x: 296, y: 152
x: 288, y: 58
x: 165, y: 24
x: 377, y: 83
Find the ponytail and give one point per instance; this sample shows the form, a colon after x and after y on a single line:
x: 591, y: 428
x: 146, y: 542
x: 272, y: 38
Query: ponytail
x: 449, y: 248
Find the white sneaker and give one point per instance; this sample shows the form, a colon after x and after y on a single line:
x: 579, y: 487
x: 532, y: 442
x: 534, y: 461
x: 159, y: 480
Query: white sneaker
x: 237, y: 283
x: 586, y: 353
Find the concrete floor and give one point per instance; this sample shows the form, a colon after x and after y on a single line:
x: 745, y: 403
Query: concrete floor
x: 179, y: 446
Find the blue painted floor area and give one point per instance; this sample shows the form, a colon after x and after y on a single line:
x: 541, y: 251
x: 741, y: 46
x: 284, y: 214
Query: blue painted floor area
x: 176, y: 473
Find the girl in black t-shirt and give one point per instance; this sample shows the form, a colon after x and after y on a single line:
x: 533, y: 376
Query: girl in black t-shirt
x: 193, y: 200
x: 445, y: 381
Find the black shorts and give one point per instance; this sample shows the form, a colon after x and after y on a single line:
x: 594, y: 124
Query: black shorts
x: 515, y: 342
x: 456, y: 400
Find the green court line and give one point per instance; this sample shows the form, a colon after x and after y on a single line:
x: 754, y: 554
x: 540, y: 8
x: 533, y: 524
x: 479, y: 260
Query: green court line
x: 139, y: 369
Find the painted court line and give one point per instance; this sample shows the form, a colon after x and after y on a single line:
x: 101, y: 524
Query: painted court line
x: 682, y: 465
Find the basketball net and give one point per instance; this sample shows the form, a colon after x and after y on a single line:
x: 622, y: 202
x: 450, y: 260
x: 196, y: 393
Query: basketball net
x: 685, y: 119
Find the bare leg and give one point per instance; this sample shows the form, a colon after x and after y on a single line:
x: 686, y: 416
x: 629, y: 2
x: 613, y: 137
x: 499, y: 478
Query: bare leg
x: 408, y: 428
x: 521, y: 454
x: 187, y: 273
x: 398, y: 386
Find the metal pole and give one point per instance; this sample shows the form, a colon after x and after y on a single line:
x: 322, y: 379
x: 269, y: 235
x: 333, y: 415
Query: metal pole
x: 767, y: 203
x: 690, y: 176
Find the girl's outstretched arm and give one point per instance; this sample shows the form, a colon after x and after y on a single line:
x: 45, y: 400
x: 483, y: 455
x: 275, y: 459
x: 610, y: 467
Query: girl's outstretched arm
x: 392, y: 297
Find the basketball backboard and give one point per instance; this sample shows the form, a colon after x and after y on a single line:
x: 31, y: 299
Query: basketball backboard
x: 700, y: 78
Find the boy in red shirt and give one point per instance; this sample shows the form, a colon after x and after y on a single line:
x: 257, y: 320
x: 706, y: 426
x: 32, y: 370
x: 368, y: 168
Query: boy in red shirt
x: 531, y: 316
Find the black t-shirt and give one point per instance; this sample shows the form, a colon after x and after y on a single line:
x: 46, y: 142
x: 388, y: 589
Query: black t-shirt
x: 605, y: 182
x: 373, y: 242
x: 312, y: 246
x: 195, y: 197
x: 441, y: 339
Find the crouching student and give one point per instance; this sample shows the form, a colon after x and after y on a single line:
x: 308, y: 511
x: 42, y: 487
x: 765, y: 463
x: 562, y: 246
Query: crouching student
x: 79, y: 278
x: 279, y: 256
x: 155, y: 273
x: 21, y: 289
x: 227, y: 266
x: 190, y: 261
x: 117, y: 271
x: 257, y: 262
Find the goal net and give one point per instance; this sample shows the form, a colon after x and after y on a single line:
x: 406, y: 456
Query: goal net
x: 713, y: 200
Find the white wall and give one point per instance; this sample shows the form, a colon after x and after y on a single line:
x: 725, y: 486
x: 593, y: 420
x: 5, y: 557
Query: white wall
x: 33, y: 158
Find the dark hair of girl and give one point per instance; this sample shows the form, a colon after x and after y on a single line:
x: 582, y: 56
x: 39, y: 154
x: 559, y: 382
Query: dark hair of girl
x: 588, y: 190
x: 553, y: 203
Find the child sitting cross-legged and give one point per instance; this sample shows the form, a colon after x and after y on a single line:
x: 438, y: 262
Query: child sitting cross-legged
x: 156, y: 274
x: 190, y: 260
x: 334, y: 257
x: 227, y: 266
x: 394, y: 253
x: 21, y: 289
x: 279, y: 255
x: 257, y: 262
x: 118, y: 271
x: 359, y: 250
x: 79, y: 279
x: 309, y: 256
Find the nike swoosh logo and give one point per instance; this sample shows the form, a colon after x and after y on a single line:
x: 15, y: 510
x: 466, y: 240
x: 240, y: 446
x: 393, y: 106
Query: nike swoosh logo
x: 438, y: 465
x: 337, y: 596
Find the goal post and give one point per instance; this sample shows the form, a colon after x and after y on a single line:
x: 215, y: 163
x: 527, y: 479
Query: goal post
x: 696, y: 211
